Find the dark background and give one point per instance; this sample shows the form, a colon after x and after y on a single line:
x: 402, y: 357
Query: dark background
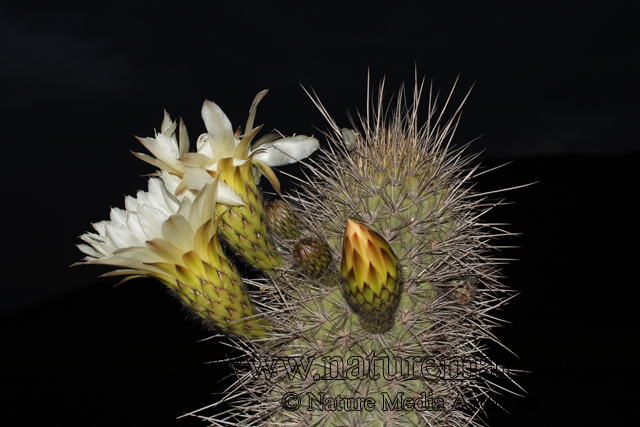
x: 555, y: 91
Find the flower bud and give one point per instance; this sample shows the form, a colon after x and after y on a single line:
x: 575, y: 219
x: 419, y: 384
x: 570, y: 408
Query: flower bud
x: 372, y: 276
x: 281, y: 220
x: 313, y: 256
x: 349, y: 138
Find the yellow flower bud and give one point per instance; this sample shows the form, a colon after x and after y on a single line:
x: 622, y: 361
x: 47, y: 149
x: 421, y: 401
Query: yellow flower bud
x: 372, y: 277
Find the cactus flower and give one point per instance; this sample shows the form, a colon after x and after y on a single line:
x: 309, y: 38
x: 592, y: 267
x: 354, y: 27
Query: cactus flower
x: 238, y: 163
x: 195, y: 169
x: 176, y: 242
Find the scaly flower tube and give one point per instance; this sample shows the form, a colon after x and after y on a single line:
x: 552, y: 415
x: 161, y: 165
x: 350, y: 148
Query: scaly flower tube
x: 176, y: 242
x: 238, y: 163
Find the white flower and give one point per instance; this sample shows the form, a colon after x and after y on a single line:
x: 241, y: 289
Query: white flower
x: 175, y: 241
x: 194, y: 170
x: 155, y: 227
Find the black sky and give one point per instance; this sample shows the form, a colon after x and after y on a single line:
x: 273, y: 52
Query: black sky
x: 551, y: 77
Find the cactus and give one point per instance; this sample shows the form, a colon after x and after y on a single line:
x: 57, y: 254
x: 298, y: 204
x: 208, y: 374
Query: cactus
x: 380, y: 286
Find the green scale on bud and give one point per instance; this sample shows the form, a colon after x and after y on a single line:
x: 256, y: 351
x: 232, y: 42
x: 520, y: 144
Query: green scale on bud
x: 372, y: 276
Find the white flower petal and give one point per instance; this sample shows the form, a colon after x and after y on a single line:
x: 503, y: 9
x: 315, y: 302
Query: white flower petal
x: 204, y: 205
x: 166, y: 122
x: 158, y: 197
x: 137, y: 257
x: 164, y: 149
x: 170, y: 200
x: 203, y: 146
x: 153, y: 196
x: 89, y: 250
x: 130, y: 204
x: 236, y: 162
x: 127, y: 262
x: 220, y: 131
x: 118, y: 215
x: 170, y: 181
x: 133, y: 224
x: 185, y: 208
x: 151, y: 220
x: 195, y: 178
x: 288, y: 150
x: 170, y: 144
x: 196, y: 160
x: 139, y: 253
x: 177, y: 231
x: 121, y: 236
x: 168, y: 128
x: 227, y: 196
x: 100, y: 227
